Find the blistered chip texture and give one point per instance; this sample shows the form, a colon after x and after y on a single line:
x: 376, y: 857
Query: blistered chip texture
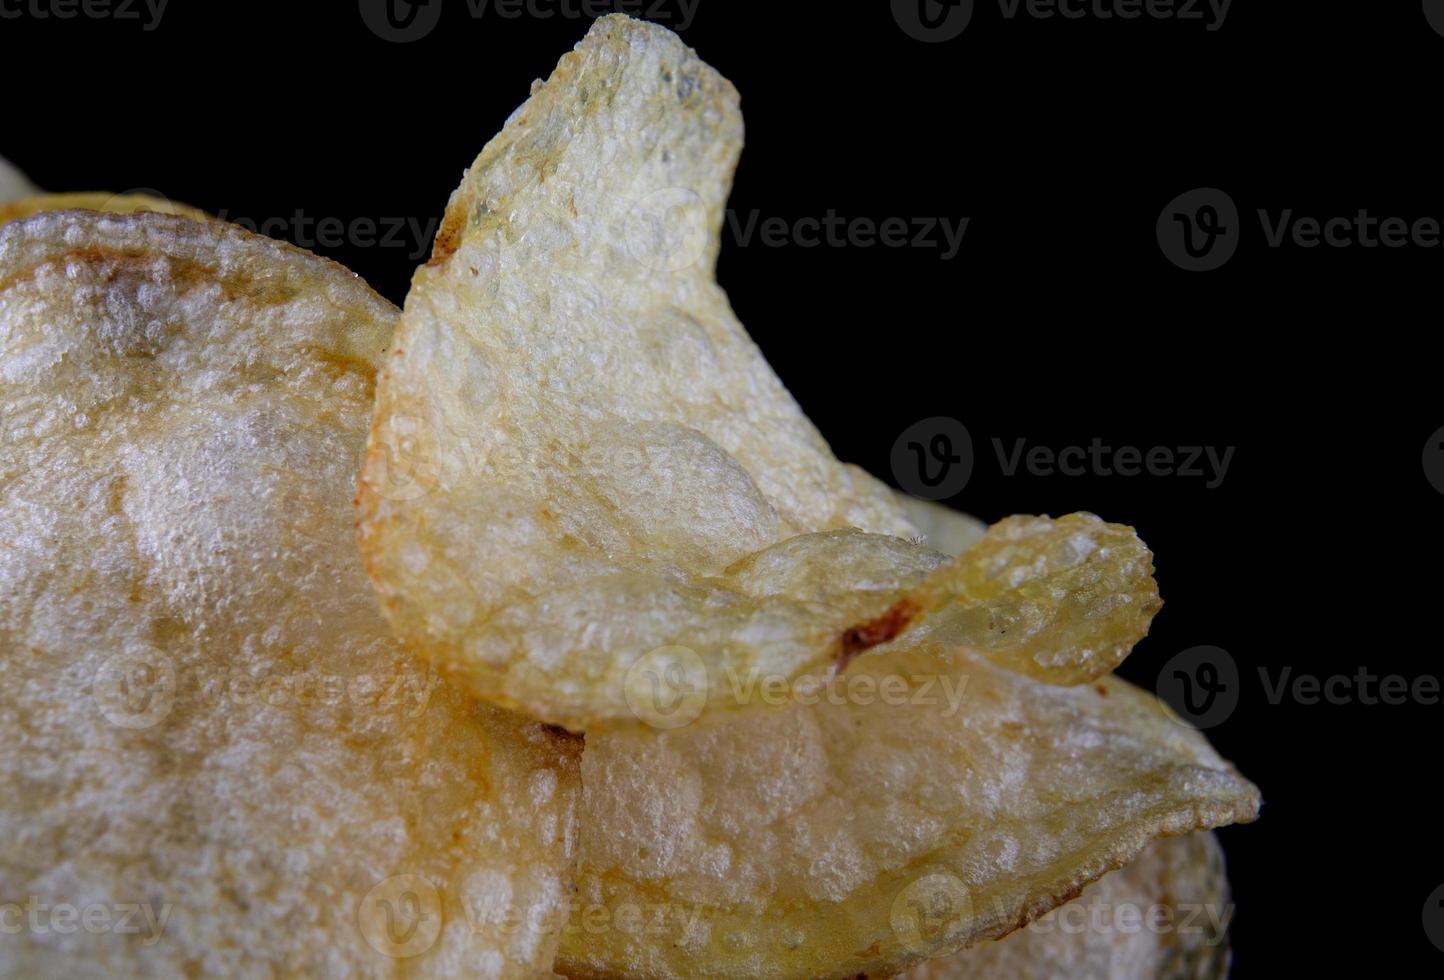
x: 1163, y: 917
x: 220, y: 762
x: 900, y: 813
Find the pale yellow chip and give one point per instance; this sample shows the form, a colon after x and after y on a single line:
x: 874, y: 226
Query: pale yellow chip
x: 32, y: 204
x: 1163, y: 917
x: 579, y: 458
x: 218, y: 761
x: 13, y: 183
x: 896, y: 814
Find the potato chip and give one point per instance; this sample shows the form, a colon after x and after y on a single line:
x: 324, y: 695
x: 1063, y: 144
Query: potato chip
x: 579, y: 458
x: 900, y: 812
x: 220, y: 762
x: 13, y: 183
x: 25, y: 206
x: 1163, y: 917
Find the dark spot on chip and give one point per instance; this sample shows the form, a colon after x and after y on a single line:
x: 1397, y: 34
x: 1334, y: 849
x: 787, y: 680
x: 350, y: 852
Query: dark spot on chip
x: 858, y: 639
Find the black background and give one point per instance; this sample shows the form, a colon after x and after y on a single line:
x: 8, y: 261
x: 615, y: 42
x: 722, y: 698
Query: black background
x: 1059, y: 321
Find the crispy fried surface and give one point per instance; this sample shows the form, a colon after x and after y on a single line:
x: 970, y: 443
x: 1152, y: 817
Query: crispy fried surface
x: 1163, y: 917
x: 804, y: 842
x: 208, y: 715
x: 579, y: 457
x: 31, y: 204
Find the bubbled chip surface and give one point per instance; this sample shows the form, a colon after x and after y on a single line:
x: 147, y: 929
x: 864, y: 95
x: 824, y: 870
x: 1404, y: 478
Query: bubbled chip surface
x: 900, y: 814
x: 1163, y: 917
x: 579, y: 457
x: 209, y: 718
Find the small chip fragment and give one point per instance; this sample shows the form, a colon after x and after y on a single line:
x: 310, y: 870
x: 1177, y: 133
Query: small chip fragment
x: 13, y: 183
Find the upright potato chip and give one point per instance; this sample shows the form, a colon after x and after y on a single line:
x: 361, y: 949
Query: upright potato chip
x: 1163, y: 917
x: 31, y: 204
x: 901, y: 812
x: 220, y: 762
x: 580, y: 461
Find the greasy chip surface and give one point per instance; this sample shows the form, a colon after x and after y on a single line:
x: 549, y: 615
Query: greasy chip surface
x: 218, y: 757
x: 579, y: 458
x: 905, y: 813
x: 1163, y: 917
x: 13, y: 183
x: 31, y: 204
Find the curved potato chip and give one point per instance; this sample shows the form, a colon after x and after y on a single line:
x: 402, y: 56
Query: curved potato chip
x: 579, y: 458
x: 212, y: 732
x: 13, y: 183
x: 897, y: 814
x: 24, y: 207
x: 1163, y: 917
